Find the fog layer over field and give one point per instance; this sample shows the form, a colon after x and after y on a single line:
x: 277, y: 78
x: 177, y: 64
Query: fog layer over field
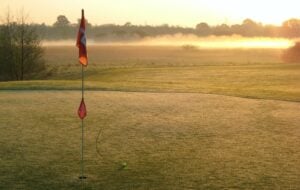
x: 191, y: 41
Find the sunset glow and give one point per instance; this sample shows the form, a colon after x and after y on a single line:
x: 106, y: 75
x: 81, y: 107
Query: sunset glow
x: 212, y: 42
x: 156, y: 12
x: 186, y: 13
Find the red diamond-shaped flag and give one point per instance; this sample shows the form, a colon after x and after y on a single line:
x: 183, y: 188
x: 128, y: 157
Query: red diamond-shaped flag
x: 82, y: 110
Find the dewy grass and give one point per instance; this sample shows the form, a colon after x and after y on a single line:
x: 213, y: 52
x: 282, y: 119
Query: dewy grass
x: 154, y: 140
x: 148, y: 141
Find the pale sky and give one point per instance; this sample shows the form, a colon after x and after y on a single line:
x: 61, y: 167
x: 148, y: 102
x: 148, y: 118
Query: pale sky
x: 157, y: 12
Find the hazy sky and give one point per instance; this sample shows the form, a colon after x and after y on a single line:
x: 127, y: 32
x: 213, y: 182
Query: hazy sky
x: 156, y: 12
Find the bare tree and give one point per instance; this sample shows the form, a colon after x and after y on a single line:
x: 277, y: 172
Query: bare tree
x: 21, y: 55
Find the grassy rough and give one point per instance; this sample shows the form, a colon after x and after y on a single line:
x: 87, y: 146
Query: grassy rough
x: 167, y: 140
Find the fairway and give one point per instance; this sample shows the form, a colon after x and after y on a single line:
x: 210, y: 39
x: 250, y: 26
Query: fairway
x: 168, y: 140
x: 250, y: 73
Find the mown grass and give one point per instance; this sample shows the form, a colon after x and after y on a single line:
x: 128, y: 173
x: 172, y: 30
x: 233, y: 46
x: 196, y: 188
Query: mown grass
x: 254, y: 73
x: 168, y: 140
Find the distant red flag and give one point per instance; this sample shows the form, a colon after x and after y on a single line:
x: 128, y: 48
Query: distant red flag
x: 81, y: 41
x: 82, y: 110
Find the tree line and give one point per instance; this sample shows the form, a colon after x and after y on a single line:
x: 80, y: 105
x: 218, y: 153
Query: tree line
x: 21, y: 53
x: 63, y: 29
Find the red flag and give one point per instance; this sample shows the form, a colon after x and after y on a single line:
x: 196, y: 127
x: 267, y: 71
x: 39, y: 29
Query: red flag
x: 82, y: 109
x: 81, y: 41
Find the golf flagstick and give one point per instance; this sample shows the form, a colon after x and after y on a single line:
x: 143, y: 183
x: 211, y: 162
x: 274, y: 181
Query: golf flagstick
x: 83, y: 60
